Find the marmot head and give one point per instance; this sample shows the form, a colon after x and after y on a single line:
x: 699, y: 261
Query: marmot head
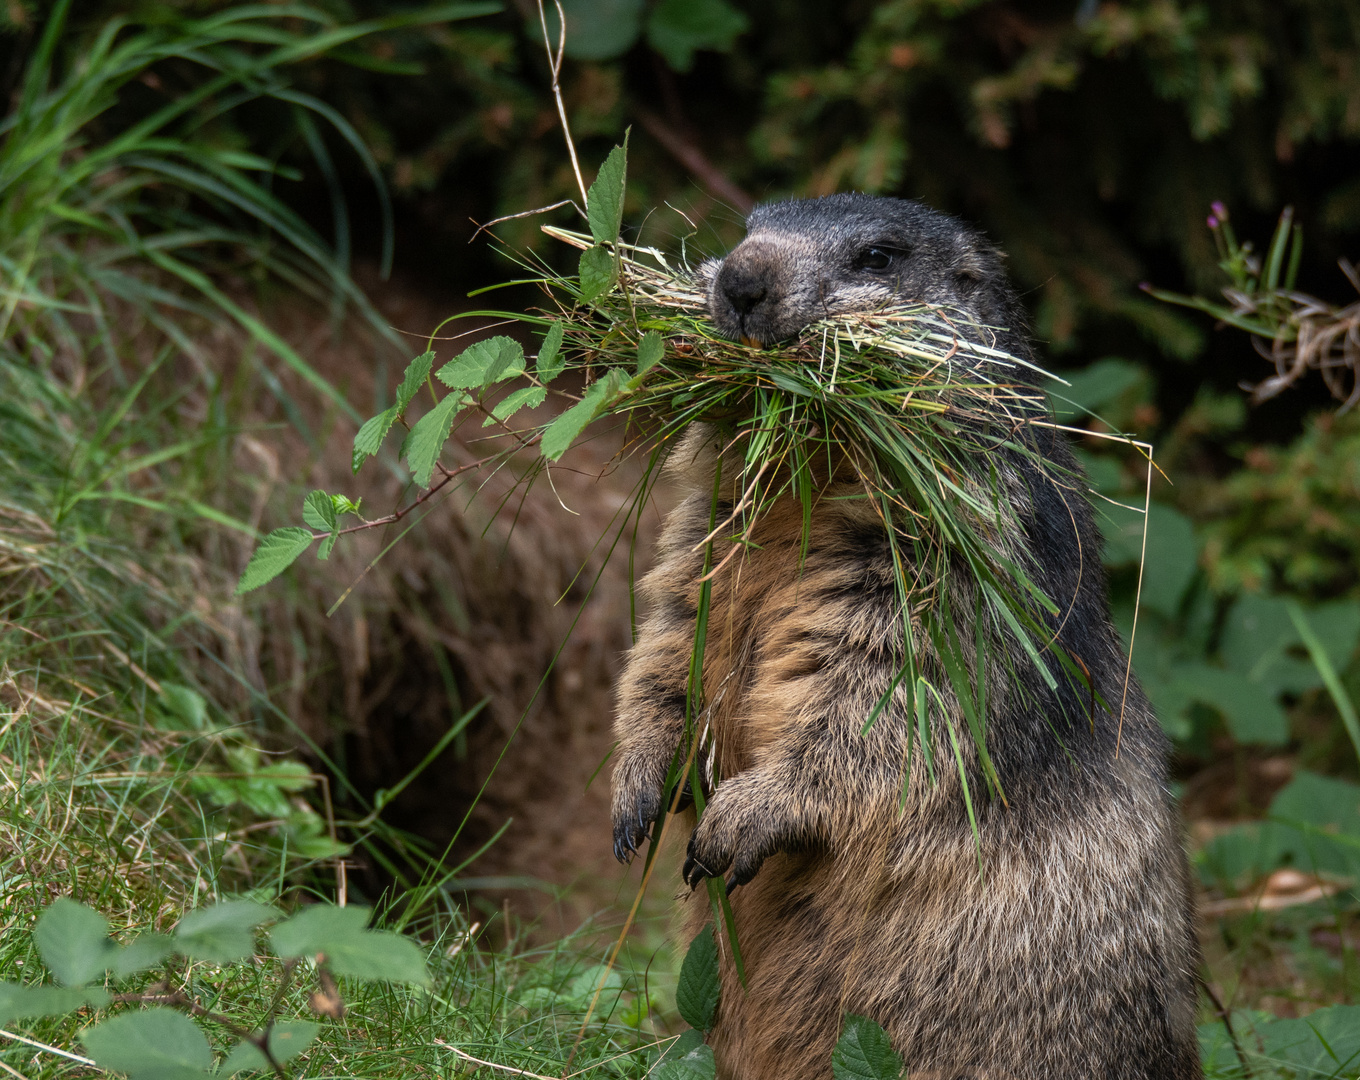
x: 807, y: 259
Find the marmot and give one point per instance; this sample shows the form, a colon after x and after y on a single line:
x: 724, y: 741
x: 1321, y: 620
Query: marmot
x: 1059, y: 943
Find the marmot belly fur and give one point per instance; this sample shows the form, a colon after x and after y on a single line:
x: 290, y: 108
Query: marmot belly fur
x: 1060, y: 944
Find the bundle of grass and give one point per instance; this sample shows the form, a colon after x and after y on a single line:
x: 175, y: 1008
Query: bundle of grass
x: 913, y: 403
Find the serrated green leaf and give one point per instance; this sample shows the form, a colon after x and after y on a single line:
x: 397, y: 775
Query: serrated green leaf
x: 74, y: 942
x: 349, y: 948
x: 650, y: 350
x: 697, y: 1064
x: 696, y: 996
x: 596, y: 271
x: 483, y: 364
x: 276, y: 553
x: 324, y: 551
x: 417, y: 371
x: 507, y: 363
x: 562, y: 432
x: 152, y: 1043
x: 286, y: 1041
x: 289, y: 1039
x: 318, y: 512
x: 424, y: 444
x: 223, y: 932
x: 244, y: 1057
x: 24, y: 1002
x: 604, y: 200
x: 370, y: 437
x: 688, y: 1040
x: 526, y: 397
x: 864, y: 1052
x: 550, y: 359
x: 143, y: 952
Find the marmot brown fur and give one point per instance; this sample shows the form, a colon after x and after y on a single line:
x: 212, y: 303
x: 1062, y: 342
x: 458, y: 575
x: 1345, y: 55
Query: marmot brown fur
x: 1059, y: 947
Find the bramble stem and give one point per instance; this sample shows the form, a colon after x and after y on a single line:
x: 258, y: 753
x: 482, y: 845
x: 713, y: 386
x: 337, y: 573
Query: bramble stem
x: 555, y: 66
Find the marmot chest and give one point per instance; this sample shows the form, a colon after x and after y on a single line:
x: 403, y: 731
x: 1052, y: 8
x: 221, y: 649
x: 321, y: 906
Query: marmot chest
x: 792, y: 605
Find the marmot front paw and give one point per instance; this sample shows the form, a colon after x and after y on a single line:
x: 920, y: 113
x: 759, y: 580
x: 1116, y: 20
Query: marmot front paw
x: 639, y: 785
x: 733, y: 835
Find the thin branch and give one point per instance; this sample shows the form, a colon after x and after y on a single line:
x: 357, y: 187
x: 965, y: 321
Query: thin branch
x: 183, y: 1000
x: 397, y: 515
x: 493, y: 1065
x: 1226, y: 1017
x: 260, y: 1039
x: 522, y: 214
x: 555, y: 66
x: 12, y: 1071
x: 50, y: 1049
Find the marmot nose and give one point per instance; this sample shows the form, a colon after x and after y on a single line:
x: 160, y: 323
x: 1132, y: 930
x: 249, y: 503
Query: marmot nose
x: 744, y: 297
x: 742, y: 289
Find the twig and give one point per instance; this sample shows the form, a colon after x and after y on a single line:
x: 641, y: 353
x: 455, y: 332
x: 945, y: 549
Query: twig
x: 714, y: 180
x: 1224, y: 1015
x: 180, y: 998
x: 50, y: 1049
x: 428, y: 493
x: 259, y: 1040
x: 1236, y: 905
x: 522, y: 214
x: 12, y: 1071
x: 555, y: 66
x: 493, y: 1065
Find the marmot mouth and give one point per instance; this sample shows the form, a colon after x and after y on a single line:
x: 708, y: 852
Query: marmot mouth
x: 754, y: 343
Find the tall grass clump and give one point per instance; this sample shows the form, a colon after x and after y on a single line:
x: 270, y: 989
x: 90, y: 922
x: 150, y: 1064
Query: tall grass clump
x: 133, y: 215
x: 124, y: 219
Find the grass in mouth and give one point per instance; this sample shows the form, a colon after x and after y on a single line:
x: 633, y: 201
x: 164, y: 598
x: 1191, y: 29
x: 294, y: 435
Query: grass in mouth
x: 919, y: 404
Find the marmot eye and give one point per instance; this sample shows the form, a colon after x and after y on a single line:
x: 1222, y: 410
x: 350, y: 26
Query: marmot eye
x: 876, y: 258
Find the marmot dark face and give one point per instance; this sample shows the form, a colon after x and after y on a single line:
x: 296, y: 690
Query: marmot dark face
x: 808, y: 259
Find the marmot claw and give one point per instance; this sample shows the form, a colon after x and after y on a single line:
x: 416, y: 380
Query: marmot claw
x: 632, y: 825
x: 708, y: 857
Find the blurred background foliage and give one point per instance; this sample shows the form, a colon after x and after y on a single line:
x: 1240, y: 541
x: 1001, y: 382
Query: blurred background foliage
x: 1089, y: 139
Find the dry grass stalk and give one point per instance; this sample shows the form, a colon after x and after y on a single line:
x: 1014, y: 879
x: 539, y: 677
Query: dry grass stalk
x: 1314, y: 336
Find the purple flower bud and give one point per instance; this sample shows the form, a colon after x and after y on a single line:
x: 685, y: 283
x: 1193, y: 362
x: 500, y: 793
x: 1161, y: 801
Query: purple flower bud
x: 1219, y: 210
x: 1213, y: 221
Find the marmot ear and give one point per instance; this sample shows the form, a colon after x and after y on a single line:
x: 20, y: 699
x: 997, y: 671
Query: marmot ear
x: 976, y: 266
x: 969, y: 277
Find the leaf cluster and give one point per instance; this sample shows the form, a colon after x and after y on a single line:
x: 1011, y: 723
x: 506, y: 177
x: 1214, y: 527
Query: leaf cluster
x: 911, y: 404
x: 162, y: 1041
